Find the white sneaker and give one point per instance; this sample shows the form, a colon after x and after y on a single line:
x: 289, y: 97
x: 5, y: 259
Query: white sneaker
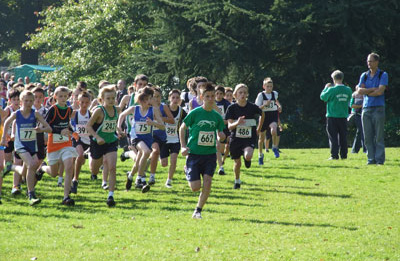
x: 152, y: 180
x: 168, y: 184
x: 104, y: 186
x: 196, y: 215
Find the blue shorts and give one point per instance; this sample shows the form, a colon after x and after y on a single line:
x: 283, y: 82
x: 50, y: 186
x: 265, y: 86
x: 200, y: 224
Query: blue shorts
x: 197, y: 165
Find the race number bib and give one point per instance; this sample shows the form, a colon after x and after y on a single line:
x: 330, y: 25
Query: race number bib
x: 81, y: 130
x: 206, y: 138
x: 243, y: 131
x: 271, y: 106
x: 58, y: 138
x: 142, y: 128
x: 109, y: 126
x: 221, y: 110
x: 27, y: 134
x: 171, y: 130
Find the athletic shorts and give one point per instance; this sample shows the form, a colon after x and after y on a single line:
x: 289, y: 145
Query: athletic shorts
x: 63, y: 154
x: 40, y: 146
x: 10, y: 147
x: 23, y: 150
x: 80, y: 142
x: 97, y: 151
x: 136, y: 141
x: 270, y: 117
x: 197, y: 165
x: 169, y: 148
x: 237, y: 146
x: 158, y: 141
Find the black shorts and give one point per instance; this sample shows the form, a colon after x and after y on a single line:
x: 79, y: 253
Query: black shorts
x: 270, y: 117
x: 97, y: 151
x: 197, y: 165
x: 80, y: 142
x: 10, y: 147
x: 237, y: 146
x: 159, y: 141
x: 41, y: 146
x: 169, y: 148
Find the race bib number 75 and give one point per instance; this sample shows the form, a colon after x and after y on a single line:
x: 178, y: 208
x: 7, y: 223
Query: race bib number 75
x: 206, y: 138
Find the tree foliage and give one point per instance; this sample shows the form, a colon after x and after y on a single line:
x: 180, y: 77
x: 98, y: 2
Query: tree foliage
x: 297, y: 43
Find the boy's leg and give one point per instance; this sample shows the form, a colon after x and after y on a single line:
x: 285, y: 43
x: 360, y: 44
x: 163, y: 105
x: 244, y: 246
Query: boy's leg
x: 111, y: 159
x: 261, y: 140
x: 69, y: 173
x: 236, y: 168
x: 155, y: 155
x: 79, y: 161
x: 172, y: 167
x: 332, y: 131
x: 342, y: 128
x: 31, y: 163
x: 274, y: 133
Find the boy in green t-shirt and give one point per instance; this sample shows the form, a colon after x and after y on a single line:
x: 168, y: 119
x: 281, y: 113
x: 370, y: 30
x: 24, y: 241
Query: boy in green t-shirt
x: 337, y: 98
x: 203, y: 123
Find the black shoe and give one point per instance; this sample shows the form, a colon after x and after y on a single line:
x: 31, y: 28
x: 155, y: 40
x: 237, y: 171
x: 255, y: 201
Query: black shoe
x: 74, y: 187
x: 122, y: 157
x: 128, y: 184
x: 247, y: 163
x: 145, y: 188
x: 0, y: 201
x: 85, y: 155
x: 68, y: 202
x: 7, y: 168
x: 332, y: 158
x: 93, y: 177
x: 110, y: 201
x: 40, y: 172
x: 221, y: 171
x: 138, y: 184
x: 236, y: 186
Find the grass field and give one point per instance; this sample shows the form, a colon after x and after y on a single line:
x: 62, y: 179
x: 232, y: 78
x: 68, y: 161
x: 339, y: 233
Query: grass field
x: 297, y: 207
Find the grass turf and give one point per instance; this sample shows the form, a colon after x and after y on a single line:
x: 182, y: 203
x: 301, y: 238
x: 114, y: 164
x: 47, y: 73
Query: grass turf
x: 298, y: 207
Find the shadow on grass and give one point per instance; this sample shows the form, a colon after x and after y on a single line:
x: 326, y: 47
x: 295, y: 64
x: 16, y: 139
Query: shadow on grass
x: 301, y: 193
x: 257, y: 174
x: 271, y: 222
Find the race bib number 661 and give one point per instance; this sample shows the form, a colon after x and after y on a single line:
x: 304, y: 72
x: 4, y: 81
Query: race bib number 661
x: 206, y: 138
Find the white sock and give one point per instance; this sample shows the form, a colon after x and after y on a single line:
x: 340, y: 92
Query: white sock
x: 104, y: 183
x: 138, y: 178
x: 130, y: 177
x: 60, y: 179
x: 238, y: 181
x: 152, y: 175
x: 126, y: 154
x: 111, y: 194
x: 143, y: 179
x: 169, y: 181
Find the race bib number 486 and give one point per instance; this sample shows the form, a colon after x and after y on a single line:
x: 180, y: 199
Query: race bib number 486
x: 206, y: 138
x: 243, y: 131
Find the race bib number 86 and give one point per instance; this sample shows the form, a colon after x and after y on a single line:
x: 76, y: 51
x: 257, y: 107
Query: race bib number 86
x: 206, y: 138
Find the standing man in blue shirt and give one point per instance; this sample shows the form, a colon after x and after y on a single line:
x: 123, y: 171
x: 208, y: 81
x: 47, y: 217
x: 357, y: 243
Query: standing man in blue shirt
x: 373, y: 84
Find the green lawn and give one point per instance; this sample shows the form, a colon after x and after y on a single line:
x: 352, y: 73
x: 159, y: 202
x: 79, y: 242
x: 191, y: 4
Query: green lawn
x: 297, y: 207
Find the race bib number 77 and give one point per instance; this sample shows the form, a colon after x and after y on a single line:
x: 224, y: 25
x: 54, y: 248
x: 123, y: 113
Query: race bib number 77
x: 206, y: 138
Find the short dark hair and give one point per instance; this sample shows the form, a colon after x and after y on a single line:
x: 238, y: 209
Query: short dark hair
x: 208, y: 87
x: 220, y: 88
x: 141, y: 77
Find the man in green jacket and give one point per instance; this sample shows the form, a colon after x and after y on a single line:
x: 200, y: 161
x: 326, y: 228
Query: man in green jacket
x: 337, y: 98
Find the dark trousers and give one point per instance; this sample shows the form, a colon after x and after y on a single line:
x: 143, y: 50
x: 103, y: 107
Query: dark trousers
x: 359, y: 137
x: 337, y: 134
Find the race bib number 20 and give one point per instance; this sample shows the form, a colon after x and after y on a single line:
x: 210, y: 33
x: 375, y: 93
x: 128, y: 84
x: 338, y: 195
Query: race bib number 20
x: 206, y: 138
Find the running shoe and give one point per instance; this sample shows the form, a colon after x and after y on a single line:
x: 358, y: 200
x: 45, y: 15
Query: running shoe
x: 145, y: 187
x: 236, y: 186
x: 261, y: 160
x: 221, y: 171
x: 110, y: 201
x: 34, y: 201
x: 128, y: 184
x: 152, y: 180
x: 74, y: 187
x: 196, y: 215
x: 40, y: 172
x: 276, y: 152
x: 15, y: 191
x: 247, y: 163
x: 168, y: 184
x: 7, y: 168
x: 93, y: 177
x: 68, y: 202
